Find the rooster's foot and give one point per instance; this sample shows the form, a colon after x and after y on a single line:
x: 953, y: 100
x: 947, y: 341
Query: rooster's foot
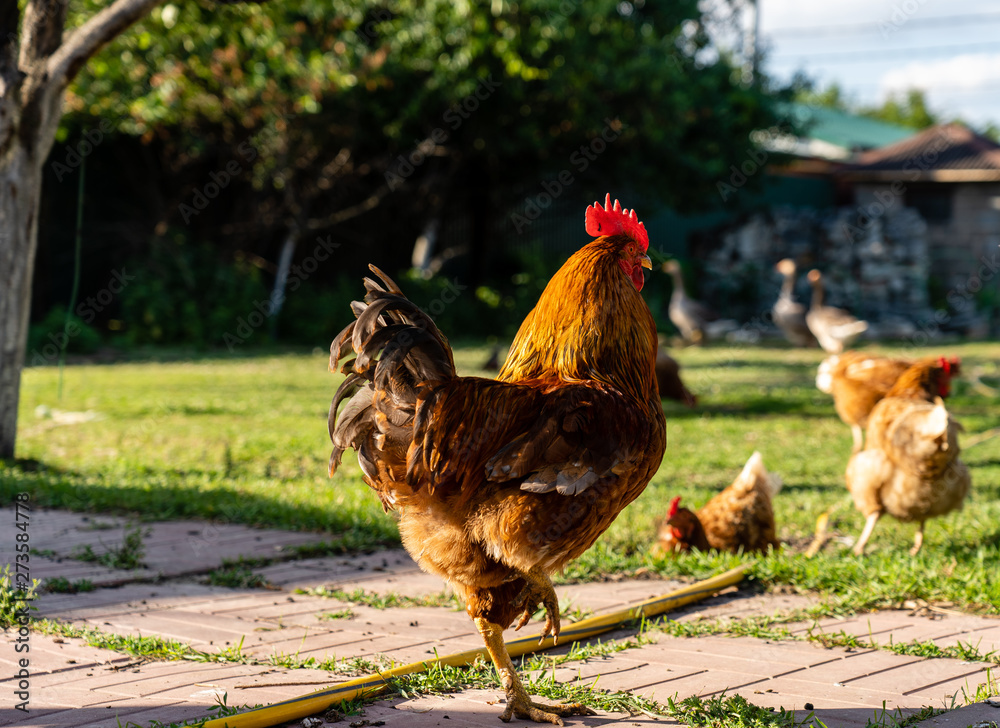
x: 526, y: 709
x: 539, y: 589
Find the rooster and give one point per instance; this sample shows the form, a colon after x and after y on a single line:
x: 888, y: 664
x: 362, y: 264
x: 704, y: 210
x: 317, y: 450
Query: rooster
x: 741, y: 517
x: 857, y: 381
x: 500, y: 483
x: 909, y: 467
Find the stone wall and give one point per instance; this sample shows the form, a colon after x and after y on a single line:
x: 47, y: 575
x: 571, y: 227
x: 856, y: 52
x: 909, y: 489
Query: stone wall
x: 877, y: 266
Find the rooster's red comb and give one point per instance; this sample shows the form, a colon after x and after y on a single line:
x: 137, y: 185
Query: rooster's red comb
x: 951, y: 366
x: 673, y: 506
x: 610, y: 220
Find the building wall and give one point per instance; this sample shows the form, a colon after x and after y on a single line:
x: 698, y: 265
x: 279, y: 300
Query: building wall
x: 960, y: 244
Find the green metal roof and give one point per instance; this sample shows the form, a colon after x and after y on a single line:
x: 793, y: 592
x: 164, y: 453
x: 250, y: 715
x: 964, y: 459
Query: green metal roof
x: 847, y: 130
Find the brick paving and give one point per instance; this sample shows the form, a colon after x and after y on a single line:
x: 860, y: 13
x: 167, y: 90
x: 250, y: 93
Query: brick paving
x: 73, y: 684
x: 173, y: 548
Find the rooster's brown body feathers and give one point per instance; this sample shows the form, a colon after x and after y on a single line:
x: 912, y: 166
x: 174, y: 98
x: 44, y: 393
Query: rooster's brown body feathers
x: 496, y: 478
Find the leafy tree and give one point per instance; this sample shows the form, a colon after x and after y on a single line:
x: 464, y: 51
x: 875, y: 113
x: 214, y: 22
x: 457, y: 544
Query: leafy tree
x: 338, y: 106
x: 908, y: 109
x: 349, y: 103
x: 40, y: 54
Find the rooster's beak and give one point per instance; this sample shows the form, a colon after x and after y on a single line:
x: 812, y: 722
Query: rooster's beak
x: 645, y: 262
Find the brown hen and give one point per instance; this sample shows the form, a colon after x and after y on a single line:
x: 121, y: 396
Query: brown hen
x: 741, y: 517
x: 857, y: 381
x: 668, y: 380
x: 910, y: 467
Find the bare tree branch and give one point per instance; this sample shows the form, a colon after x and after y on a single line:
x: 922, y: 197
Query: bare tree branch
x: 90, y: 37
x: 348, y: 212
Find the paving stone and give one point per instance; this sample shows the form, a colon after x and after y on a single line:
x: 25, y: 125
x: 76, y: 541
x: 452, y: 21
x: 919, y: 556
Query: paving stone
x: 183, y: 622
x: 108, y: 714
x: 197, y: 635
x: 9, y: 715
x: 853, y: 717
x: 823, y: 694
x: 860, y: 627
x: 985, y: 639
x: 804, y: 654
x: 846, y: 687
x: 473, y: 708
x: 855, y: 666
x: 923, y: 675
x: 947, y: 693
x: 128, y: 598
x: 710, y: 660
x: 172, y: 548
x: 142, y: 714
x: 977, y: 714
x: 661, y: 682
x: 49, y: 655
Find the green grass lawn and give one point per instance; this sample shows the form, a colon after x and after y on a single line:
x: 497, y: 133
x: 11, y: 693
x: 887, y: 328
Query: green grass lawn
x: 245, y: 441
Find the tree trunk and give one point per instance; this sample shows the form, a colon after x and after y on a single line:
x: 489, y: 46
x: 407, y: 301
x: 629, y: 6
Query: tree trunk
x: 281, y: 278
x: 36, y: 65
x: 20, y: 193
x: 26, y: 135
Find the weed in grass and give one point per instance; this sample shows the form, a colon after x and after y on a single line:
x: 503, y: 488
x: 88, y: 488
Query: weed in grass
x: 758, y: 626
x: 219, y: 710
x: 916, y: 648
x: 389, y: 600
x: 160, y: 648
x: 126, y: 556
x: 895, y: 718
x: 346, y: 613
x: 15, y: 602
x: 236, y: 575
x: 988, y: 689
x: 732, y: 711
x: 441, y: 678
x: 62, y: 585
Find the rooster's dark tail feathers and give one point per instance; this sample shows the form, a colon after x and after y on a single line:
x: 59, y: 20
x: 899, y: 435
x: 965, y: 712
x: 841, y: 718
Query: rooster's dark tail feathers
x: 397, y: 349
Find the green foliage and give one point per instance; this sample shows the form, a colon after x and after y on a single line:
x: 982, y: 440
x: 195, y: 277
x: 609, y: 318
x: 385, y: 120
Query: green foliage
x: 15, y: 603
x: 47, y: 335
x: 62, y: 585
x: 495, y: 307
x: 390, y: 600
x: 184, y: 294
x: 127, y: 555
x: 908, y: 109
x: 313, y: 314
x: 732, y: 711
x: 300, y: 82
x: 236, y: 575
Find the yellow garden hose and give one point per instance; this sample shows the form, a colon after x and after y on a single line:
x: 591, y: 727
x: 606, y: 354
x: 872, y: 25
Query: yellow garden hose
x: 584, y: 629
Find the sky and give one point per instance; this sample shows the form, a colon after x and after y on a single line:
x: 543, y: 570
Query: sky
x: 948, y: 48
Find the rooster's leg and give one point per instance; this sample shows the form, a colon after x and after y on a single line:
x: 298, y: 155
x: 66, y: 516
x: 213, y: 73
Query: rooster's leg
x: 918, y: 539
x: 539, y: 589
x: 858, y: 438
x: 519, y: 704
x: 859, y: 547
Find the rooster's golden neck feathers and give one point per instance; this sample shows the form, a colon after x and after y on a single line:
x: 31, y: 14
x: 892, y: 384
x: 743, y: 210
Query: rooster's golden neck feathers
x: 590, y: 323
